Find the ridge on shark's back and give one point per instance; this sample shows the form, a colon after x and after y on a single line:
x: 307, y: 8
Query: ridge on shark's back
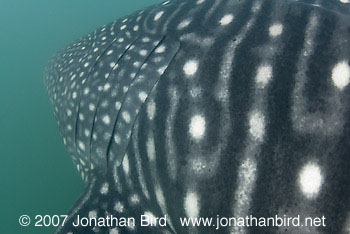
x: 210, y: 108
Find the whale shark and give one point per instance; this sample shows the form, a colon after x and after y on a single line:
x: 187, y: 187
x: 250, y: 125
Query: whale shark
x: 209, y: 116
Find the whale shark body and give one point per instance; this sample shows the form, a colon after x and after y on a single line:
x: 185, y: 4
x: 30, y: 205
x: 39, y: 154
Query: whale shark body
x: 217, y: 109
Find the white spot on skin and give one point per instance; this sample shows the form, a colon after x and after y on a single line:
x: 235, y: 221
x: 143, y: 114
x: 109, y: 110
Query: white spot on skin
x: 345, y: 1
x: 91, y: 107
x: 160, y: 49
x: 151, y: 109
x: 145, y: 39
x: 125, y: 164
x: 123, y: 27
x: 310, y: 180
x: 144, y: 66
x: 74, y: 95
x: 86, y: 91
x: 86, y: 132
x: 117, y: 139
x: 275, y: 30
x: 69, y: 112
x: 142, y: 96
x: 257, y: 126
x: 104, y: 104
x: 86, y: 64
x: 109, y: 52
x: 134, y: 199
x: 106, y: 119
x: 183, y: 24
x: 106, y: 87
x: 151, y: 151
x: 158, y: 15
x: 92, y: 214
x: 126, y: 116
x: 118, y: 105
x: 119, y: 207
x: 341, y: 75
x: 195, y: 92
x: 263, y: 75
x: 197, y: 127
x: 136, y: 64
x: 114, y: 231
x: 112, y: 64
x: 200, y: 1
x: 191, y: 205
x: 191, y: 67
x: 256, y: 7
x: 104, y: 189
x: 136, y: 28
x: 227, y: 19
x: 162, y: 70
x: 81, y: 145
x: 82, y: 162
x: 143, y: 52
x: 198, y: 166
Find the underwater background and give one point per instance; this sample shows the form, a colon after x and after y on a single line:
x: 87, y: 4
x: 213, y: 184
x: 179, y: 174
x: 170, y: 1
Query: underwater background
x: 37, y: 176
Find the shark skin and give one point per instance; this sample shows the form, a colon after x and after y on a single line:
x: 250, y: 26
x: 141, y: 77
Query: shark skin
x: 223, y: 109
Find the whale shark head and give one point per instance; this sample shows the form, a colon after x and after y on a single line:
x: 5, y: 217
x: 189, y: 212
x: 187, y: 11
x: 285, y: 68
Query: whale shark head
x: 225, y: 109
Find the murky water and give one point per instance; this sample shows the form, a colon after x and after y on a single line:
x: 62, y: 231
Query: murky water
x: 37, y: 176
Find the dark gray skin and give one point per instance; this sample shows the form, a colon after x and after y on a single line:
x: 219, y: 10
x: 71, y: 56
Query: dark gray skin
x: 210, y: 108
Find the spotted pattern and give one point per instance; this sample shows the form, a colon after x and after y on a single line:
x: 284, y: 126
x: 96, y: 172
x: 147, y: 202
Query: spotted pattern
x: 194, y: 108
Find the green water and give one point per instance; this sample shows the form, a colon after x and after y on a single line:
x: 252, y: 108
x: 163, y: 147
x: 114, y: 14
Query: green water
x: 36, y: 173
